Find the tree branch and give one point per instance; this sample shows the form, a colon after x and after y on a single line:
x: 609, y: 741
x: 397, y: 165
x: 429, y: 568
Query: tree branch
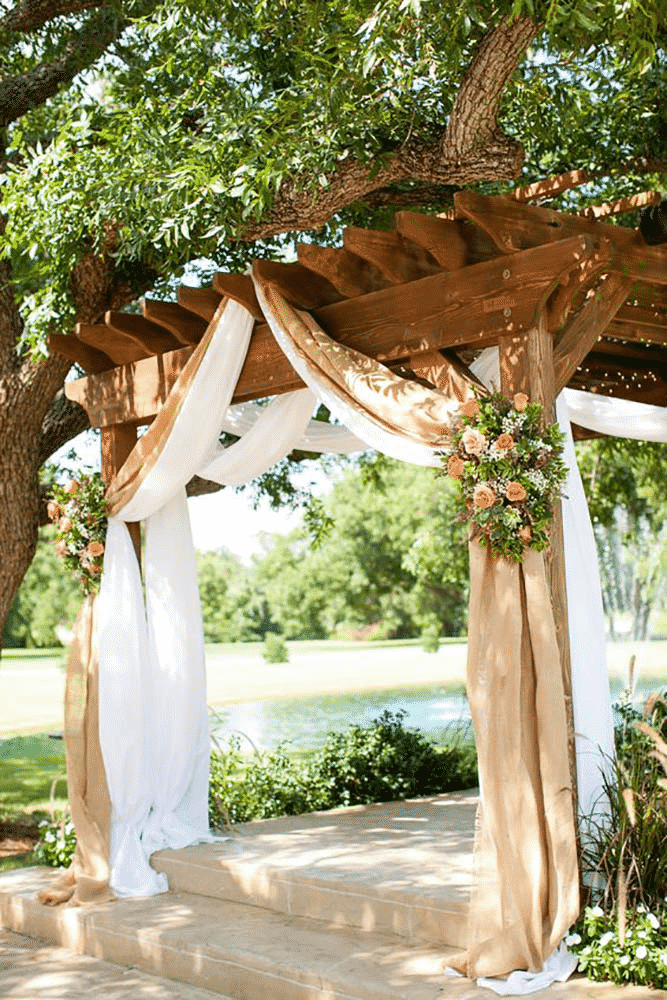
x: 472, y: 122
x: 30, y: 14
x: 471, y: 149
x: 63, y: 421
x: 18, y: 94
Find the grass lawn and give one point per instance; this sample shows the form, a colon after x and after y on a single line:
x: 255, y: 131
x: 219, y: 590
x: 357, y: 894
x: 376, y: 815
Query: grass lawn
x: 32, y: 785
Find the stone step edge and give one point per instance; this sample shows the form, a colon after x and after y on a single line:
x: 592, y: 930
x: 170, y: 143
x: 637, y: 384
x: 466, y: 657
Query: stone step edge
x: 414, y: 917
x: 106, y: 933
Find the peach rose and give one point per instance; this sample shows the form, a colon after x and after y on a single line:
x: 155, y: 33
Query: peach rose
x: 483, y: 496
x: 470, y: 409
x: 53, y: 510
x: 73, y: 487
x: 473, y: 441
x: 95, y: 549
x: 524, y: 533
x: 456, y: 466
x: 61, y: 547
x: 520, y: 401
x: 505, y: 442
x: 64, y: 524
x: 515, y: 491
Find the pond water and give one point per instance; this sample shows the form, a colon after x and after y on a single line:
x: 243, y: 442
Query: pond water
x: 305, y: 722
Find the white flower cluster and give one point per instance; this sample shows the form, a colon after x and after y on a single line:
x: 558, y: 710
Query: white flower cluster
x: 513, y: 422
x: 537, y: 479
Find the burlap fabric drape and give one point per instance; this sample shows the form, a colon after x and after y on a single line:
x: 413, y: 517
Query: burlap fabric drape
x: 87, y: 880
x: 526, y: 887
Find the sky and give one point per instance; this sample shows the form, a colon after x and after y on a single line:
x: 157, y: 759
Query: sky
x: 223, y: 520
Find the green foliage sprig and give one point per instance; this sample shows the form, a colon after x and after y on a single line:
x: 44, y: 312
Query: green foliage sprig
x: 80, y: 514
x: 508, y: 463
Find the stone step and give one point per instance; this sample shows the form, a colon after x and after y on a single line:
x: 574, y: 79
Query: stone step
x: 239, y: 951
x: 401, y: 869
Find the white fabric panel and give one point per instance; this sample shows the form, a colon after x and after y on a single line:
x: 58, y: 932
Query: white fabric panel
x: 617, y: 417
x: 272, y: 436
x: 153, y: 714
x: 591, y: 696
x: 364, y: 428
x: 318, y: 436
x: 177, y: 716
x: 194, y: 437
x: 124, y: 739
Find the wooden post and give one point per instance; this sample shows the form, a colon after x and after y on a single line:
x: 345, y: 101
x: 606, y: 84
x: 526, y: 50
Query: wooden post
x: 527, y: 365
x: 118, y: 440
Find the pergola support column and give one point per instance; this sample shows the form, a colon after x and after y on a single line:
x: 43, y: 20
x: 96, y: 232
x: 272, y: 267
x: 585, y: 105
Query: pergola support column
x: 527, y: 365
x: 118, y: 440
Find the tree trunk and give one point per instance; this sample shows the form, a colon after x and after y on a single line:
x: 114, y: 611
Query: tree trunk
x: 25, y: 395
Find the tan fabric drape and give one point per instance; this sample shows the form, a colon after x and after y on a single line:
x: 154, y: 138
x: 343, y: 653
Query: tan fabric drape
x: 87, y: 880
x: 148, y: 448
x: 526, y: 892
x: 399, y: 405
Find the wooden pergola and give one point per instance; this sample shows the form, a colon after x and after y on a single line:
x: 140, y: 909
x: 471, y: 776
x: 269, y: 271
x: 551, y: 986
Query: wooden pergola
x: 570, y: 301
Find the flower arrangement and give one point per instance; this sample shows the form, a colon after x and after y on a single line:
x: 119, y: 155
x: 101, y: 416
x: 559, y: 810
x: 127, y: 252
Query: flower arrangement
x: 509, y: 465
x: 80, y: 515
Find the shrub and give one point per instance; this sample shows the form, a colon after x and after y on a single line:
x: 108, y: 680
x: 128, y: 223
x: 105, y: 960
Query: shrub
x: 431, y: 639
x: 380, y: 763
x: 275, y: 648
x: 56, y: 843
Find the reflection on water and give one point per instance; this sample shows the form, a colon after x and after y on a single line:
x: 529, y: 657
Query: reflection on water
x: 305, y: 722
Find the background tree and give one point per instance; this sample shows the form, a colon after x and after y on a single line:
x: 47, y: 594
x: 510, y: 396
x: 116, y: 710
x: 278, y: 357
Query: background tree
x: 138, y: 135
x: 624, y: 480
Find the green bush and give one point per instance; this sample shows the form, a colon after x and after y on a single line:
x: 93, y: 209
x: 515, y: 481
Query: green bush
x: 638, y: 955
x: 275, y: 648
x: 430, y: 638
x: 382, y: 762
x: 57, y: 842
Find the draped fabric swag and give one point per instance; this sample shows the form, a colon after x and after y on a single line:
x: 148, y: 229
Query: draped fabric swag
x: 152, y: 707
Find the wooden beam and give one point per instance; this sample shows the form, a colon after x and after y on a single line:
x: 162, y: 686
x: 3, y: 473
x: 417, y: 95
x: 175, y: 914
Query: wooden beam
x: 121, y: 348
x: 474, y: 305
x: 549, y: 188
x: 240, y: 288
x: 631, y: 204
x: 399, y: 259
x: 627, y: 330
x: 154, y: 338
x: 89, y: 358
x: 200, y: 301
x: 577, y: 339
x: 515, y: 227
x: 302, y: 287
x: 187, y: 327
x: 117, y: 443
x: 482, y: 302
x: 441, y: 238
x: 349, y: 274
